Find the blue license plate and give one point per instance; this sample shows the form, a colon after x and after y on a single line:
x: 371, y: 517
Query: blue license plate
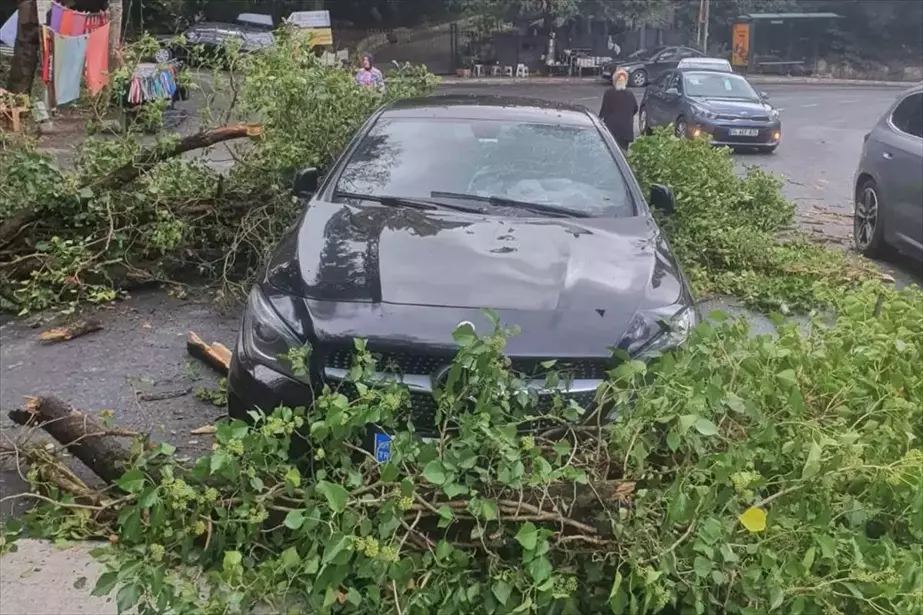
x: 382, y: 445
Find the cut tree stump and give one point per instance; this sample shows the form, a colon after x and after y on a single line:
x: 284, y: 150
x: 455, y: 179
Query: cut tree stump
x: 216, y: 355
x: 82, y: 436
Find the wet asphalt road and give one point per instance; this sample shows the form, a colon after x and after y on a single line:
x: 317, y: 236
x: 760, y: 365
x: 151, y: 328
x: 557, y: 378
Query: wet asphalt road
x: 142, y: 347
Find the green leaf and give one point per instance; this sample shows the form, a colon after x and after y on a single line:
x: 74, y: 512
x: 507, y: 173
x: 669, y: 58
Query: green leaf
x: 702, y: 566
x: 290, y: 558
x: 464, y: 334
x: 812, y: 464
x: 540, y: 569
x: 435, y: 472
x: 337, y: 496
x: 334, y: 548
x: 808, y: 560
x: 686, y: 421
x: 501, y: 590
x: 776, y: 598
x: 527, y: 536
x: 489, y: 510
x: 128, y: 597
x: 105, y: 584
x: 219, y: 459
x: 294, y: 519
x: 754, y: 519
x: 788, y: 376
x: 132, y: 481
x: 706, y: 427
x: 232, y: 559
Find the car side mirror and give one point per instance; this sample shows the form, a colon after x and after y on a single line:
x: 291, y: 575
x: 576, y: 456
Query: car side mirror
x: 662, y: 199
x: 306, y: 181
x: 673, y: 92
x: 764, y: 95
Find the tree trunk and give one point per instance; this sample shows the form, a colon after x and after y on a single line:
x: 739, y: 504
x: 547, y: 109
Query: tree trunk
x: 26, y: 51
x: 83, y: 437
x: 115, y: 33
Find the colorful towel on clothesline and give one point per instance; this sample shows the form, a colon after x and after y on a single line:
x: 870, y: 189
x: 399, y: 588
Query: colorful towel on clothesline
x: 68, y: 22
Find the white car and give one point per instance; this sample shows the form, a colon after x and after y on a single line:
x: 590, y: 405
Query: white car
x: 718, y: 64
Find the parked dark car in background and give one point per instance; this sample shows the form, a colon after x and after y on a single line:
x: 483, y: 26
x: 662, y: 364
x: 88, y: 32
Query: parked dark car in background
x: 447, y: 205
x: 889, y: 181
x: 207, y: 40
x: 643, y: 66
x: 722, y: 105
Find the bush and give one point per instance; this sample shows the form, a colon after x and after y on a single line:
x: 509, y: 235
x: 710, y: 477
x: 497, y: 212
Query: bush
x: 742, y: 475
x: 732, y: 233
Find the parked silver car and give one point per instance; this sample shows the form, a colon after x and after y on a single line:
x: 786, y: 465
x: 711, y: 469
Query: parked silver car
x: 889, y: 181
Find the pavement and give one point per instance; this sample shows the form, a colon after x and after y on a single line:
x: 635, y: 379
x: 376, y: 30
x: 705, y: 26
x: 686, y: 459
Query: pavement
x: 142, y: 346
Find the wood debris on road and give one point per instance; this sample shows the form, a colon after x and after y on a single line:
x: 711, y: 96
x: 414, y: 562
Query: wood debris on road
x: 70, y: 331
x: 204, y: 430
x: 216, y: 355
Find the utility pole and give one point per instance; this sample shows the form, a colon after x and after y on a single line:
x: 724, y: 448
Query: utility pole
x: 705, y: 27
x: 698, y: 24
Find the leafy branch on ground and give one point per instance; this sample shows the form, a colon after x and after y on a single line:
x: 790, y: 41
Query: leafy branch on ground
x: 750, y: 474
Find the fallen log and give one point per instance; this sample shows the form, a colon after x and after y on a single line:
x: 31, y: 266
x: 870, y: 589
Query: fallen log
x: 215, y: 355
x: 83, y: 437
x: 69, y: 332
x: 158, y: 153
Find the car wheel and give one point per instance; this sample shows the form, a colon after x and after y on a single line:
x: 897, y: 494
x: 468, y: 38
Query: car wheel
x: 163, y: 55
x: 868, y: 227
x: 643, y: 127
x: 680, y: 129
x: 638, y: 79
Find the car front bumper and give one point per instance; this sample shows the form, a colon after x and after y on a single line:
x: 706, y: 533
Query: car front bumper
x: 767, y: 134
x: 255, y: 386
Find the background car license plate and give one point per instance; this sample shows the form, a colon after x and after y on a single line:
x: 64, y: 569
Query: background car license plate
x: 744, y: 132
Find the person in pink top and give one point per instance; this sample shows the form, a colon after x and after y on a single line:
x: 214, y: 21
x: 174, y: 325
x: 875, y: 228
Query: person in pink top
x: 368, y: 75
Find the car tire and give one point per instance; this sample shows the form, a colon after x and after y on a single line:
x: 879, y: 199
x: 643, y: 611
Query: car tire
x: 680, y: 129
x: 638, y: 79
x: 643, y: 126
x: 868, y: 226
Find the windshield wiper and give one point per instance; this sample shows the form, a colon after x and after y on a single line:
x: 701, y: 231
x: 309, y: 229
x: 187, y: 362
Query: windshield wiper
x: 400, y: 201
x: 502, y: 201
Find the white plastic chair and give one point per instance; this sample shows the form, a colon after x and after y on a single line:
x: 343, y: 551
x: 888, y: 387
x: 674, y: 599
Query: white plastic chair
x: 522, y: 70
x: 478, y: 70
x: 495, y: 71
x: 507, y: 71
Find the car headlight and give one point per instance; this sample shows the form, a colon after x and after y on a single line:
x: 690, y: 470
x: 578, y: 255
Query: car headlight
x: 265, y: 337
x: 650, y: 334
x: 773, y: 114
x: 704, y: 113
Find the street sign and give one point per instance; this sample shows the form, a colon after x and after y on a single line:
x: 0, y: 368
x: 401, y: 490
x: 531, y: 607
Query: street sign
x: 310, y: 19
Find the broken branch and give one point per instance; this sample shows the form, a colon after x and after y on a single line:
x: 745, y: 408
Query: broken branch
x: 69, y: 332
x: 216, y: 355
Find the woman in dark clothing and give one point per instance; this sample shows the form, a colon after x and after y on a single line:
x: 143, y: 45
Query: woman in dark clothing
x: 619, y: 109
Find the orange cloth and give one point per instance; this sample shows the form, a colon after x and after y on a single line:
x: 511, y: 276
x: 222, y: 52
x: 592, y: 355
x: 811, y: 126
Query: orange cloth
x: 97, y: 62
x: 67, y: 23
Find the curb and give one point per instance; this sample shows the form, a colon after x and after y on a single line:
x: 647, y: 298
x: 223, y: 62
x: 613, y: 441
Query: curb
x: 757, y: 79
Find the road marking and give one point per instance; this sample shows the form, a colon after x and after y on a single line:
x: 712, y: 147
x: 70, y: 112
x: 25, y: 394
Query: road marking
x: 586, y: 98
x: 810, y: 105
x: 847, y: 102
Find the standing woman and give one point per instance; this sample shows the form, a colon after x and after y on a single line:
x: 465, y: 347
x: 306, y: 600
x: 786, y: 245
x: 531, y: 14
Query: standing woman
x: 619, y: 109
x: 368, y: 75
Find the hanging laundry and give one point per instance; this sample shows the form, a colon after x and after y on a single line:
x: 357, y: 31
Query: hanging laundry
x: 57, y: 13
x: 47, y: 52
x: 95, y: 21
x: 77, y: 24
x: 69, y: 57
x: 97, y: 62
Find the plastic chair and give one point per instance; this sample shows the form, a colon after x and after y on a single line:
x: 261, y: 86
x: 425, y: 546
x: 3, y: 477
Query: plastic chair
x: 478, y: 70
x: 507, y: 71
x: 522, y: 70
x: 495, y: 71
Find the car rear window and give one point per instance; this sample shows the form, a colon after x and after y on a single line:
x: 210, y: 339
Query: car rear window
x: 568, y: 166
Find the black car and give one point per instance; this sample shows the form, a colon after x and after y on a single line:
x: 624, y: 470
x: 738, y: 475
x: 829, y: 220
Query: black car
x: 645, y: 65
x: 207, y: 40
x: 716, y: 103
x: 441, y: 207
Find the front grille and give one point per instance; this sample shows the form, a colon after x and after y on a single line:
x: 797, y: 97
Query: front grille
x: 423, y: 405
x: 425, y: 365
x: 749, y: 118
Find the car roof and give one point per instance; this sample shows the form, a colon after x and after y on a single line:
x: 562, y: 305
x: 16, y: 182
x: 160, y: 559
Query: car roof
x: 489, y: 107
x: 706, y: 69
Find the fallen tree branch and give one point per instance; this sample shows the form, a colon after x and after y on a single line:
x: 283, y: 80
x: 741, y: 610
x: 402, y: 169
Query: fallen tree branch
x: 216, y: 355
x: 158, y: 153
x: 83, y: 437
x: 69, y: 332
